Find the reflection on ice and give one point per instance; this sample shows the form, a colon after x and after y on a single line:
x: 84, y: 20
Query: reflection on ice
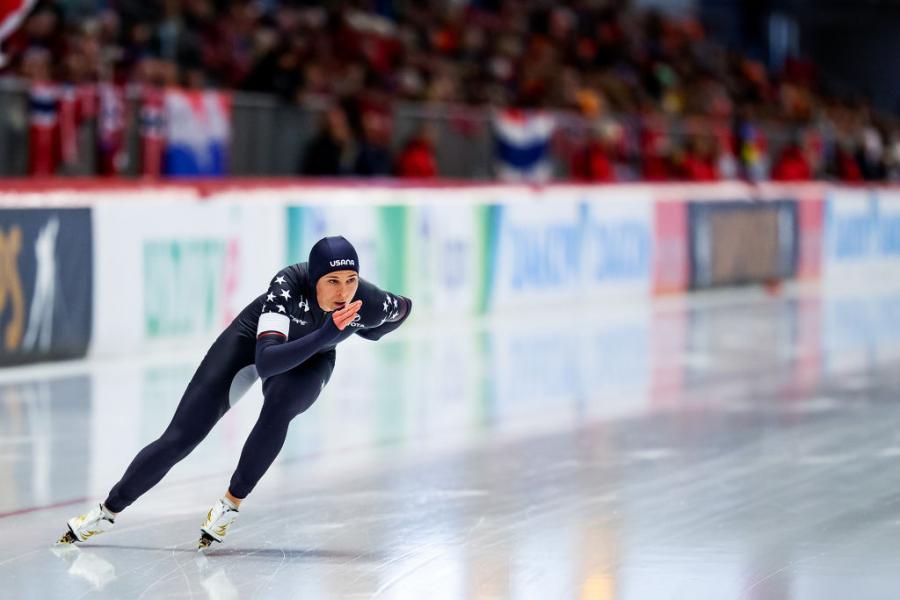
x: 215, y: 580
x: 86, y: 564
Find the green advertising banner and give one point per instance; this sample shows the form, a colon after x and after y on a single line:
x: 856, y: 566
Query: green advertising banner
x: 437, y: 254
x: 183, y: 282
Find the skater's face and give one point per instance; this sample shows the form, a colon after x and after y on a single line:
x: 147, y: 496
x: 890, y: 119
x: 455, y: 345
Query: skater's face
x: 336, y: 289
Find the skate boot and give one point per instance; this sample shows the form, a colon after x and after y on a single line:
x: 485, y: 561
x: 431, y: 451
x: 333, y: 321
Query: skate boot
x: 218, y: 519
x: 81, y: 528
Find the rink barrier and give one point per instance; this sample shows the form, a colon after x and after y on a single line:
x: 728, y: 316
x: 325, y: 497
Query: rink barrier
x: 172, y: 263
x: 862, y: 239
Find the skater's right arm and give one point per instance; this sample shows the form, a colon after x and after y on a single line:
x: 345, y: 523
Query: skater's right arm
x: 274, y: 355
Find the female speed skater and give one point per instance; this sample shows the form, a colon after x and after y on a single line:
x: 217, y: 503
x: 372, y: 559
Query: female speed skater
x: 287, y: 337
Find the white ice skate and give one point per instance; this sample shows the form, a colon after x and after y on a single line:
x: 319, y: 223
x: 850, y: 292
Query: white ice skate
x: 218, y: 519
x: 81, y: 528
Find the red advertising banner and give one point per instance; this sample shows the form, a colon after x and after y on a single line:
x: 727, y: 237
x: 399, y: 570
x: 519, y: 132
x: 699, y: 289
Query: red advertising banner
x: 810, y: 215
x: 671, y: 268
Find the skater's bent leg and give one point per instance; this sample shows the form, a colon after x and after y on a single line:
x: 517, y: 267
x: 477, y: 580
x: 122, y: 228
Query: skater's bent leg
x: 204, y: 402
x: 286, y: 396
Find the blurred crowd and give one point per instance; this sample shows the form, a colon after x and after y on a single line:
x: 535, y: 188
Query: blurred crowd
x: 646, y: 96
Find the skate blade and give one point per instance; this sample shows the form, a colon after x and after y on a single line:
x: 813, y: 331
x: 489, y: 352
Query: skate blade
x: 205, y: 542
x: 67, y: 538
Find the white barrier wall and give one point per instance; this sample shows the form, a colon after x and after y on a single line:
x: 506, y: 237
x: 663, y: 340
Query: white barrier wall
x: 862, y: 239
x: 173, y: 263
x: 179, y: 271
x: 861, y: 277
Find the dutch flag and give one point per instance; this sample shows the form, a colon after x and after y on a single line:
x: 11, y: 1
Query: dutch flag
x: 197, y: 132
x: 522, y: 145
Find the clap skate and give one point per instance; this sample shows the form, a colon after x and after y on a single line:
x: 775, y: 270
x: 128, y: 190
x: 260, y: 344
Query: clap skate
x: 81, y: 528
x: 218, y: 519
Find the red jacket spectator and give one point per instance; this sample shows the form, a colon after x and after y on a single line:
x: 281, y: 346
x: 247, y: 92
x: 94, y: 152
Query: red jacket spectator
x: 792, y: 165
x: 846, y: 166
x: 591, y: 163
x: 699, y: 161
x: 655, y: 160
x: 696, y: 168
x: 417, y: 159
x: 655, y: 168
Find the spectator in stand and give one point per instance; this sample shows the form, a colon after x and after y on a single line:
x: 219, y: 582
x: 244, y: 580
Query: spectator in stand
x: 331, y: 152
x: 655, y: 153
x: 373, y: 157
x: 698, y: 163
x: 870, y: 154
x: 593, y: 162
x: 417, y: 157
x: 43, y: 113
x: 846, y: 168
x: 792, y: 164
x: 277, y: 71
x: 892, y: 157
x: 642, y: 64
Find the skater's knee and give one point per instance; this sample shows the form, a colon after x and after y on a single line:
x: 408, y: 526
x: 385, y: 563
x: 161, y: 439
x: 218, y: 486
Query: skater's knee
x: 281, y: 411
x: 278, y: 386
x: 181, y: 439
x: 288, y: 401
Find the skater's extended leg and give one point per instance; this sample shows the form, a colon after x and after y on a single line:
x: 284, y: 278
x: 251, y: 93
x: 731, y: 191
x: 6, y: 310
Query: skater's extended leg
x: 204, y: 402
x: 208, y: 396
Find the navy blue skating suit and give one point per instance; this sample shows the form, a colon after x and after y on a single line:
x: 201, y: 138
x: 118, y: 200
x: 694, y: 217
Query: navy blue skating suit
x: 285, y: 338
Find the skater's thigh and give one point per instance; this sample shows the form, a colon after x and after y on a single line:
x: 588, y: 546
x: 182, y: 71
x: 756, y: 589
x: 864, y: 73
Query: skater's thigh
x: 206, y: 398
x: 294, y: 391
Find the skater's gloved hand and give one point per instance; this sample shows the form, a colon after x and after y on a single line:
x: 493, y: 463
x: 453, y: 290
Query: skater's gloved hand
x: 346, y: 315
x: 376, y: 333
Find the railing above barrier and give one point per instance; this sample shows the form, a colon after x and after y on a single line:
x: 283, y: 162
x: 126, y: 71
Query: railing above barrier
x: 272, y: 138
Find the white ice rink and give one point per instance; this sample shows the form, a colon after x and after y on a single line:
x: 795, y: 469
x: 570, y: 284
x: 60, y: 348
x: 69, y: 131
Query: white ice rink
x: 736, y: 445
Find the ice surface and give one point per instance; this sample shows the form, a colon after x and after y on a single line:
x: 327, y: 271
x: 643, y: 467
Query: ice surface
x: 732, y: 446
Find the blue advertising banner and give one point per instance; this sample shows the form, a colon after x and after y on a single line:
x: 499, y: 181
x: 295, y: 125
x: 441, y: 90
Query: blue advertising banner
x: 46, y: 282
x: 567, y: 249
x: 861, y: 236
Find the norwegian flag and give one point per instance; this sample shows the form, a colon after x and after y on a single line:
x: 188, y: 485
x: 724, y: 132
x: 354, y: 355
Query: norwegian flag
x: 111, y: 129
x: 68, y: 124
x: 522, y: 145
x: 151, y: 124
x: 43, y: 121
x: 12, y: 13
x: 88, y: 103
